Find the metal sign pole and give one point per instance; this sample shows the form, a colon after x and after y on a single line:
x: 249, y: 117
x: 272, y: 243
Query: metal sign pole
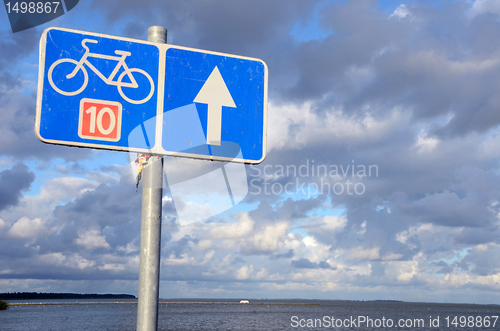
x: 149, y: 269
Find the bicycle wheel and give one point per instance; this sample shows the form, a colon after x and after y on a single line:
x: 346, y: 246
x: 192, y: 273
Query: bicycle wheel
x: 139, y: 80
x: 63, y: 80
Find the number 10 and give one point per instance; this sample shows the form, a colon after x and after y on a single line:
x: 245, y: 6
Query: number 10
x: 112, y: 120
x: 100, y: 120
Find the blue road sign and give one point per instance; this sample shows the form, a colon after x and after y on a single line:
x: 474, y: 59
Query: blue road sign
x: 108, y: 92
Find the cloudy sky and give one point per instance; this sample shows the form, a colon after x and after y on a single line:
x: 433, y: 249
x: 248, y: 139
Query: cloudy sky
x: 388, y: 111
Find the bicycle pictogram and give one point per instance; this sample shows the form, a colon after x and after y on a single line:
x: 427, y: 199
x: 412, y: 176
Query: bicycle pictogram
x: 119, y: 83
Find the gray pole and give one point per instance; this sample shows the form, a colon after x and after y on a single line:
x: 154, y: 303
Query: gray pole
x: 149, y: 265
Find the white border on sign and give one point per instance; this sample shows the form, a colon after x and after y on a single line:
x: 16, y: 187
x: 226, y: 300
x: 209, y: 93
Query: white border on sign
x: 157, y: 149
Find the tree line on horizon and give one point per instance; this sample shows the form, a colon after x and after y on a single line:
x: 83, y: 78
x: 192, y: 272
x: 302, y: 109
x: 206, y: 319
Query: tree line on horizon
x: 45, y: 296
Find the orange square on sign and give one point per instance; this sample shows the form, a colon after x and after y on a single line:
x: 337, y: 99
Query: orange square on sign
x: 100, y: 120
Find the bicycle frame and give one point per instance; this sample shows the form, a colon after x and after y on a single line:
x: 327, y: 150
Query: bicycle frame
x: 108, y: 80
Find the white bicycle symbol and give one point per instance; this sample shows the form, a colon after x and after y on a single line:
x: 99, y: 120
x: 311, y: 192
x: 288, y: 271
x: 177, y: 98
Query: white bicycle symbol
x: 108, y: 80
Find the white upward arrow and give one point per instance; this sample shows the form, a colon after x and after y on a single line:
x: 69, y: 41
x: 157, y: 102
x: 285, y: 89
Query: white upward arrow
x: 214, y: 93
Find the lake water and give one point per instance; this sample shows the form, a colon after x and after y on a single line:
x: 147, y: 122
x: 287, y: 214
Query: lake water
x: 324, y: 315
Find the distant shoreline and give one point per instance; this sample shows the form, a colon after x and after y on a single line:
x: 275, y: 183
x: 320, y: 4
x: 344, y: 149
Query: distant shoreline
x: 164, y: 303
x: 61, y: 296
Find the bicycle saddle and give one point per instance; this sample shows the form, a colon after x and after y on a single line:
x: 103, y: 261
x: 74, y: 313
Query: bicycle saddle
x: 122, y: 53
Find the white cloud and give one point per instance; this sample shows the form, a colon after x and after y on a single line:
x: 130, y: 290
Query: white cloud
x: 262, y: 274
x: 53, y: 192
x: 426, y: 144
x: 3, y: 224
x: 414, y: 231
x: 406, y: 270
x: 222, y: 268
x: 185, y: 259
x: 205, y: 244
x: 81, y: 263
x: 426, y: 61
x: 361, y: 253
x: 235, y: 230
x: 310, y: 242
x: 228, y: 244
x: 330, y: 224
x: 51, y: 259
x: 193, y: 211
x: 91, y: 240
x: 208, y: 257
x: 333, y: 126
x: 129, y: 248
x: 267, y: 239
x: 27, y: 228
x: 392, y: 256
x: 485, y: 6
x: 400, y: 12
x: 313, y: 250
x: 244, y: 272
x: 112, y: 267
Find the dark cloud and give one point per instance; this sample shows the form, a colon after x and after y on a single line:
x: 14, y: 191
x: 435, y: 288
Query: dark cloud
x: 237, y: 260
x: 443, y: 267
x: 135, y: 29
x: 303, y: 263
x: 16, y: 46
x: 103, y: 207
x: 287, y: 255
x: 477, y: 236
x: 70, y: 168
x: 17, y: 129
x: 111, y: 168
x: 449, y: 209
x: 12, y: 183
x: 483, y: 261
x: 378, y: 270
x: 360, y: 31
x: 227, y: 26
x: 295, y: 209
x: 178, y: 248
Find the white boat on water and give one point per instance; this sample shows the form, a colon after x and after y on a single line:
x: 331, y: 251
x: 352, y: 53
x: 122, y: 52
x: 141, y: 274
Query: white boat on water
x: 244, y: 301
